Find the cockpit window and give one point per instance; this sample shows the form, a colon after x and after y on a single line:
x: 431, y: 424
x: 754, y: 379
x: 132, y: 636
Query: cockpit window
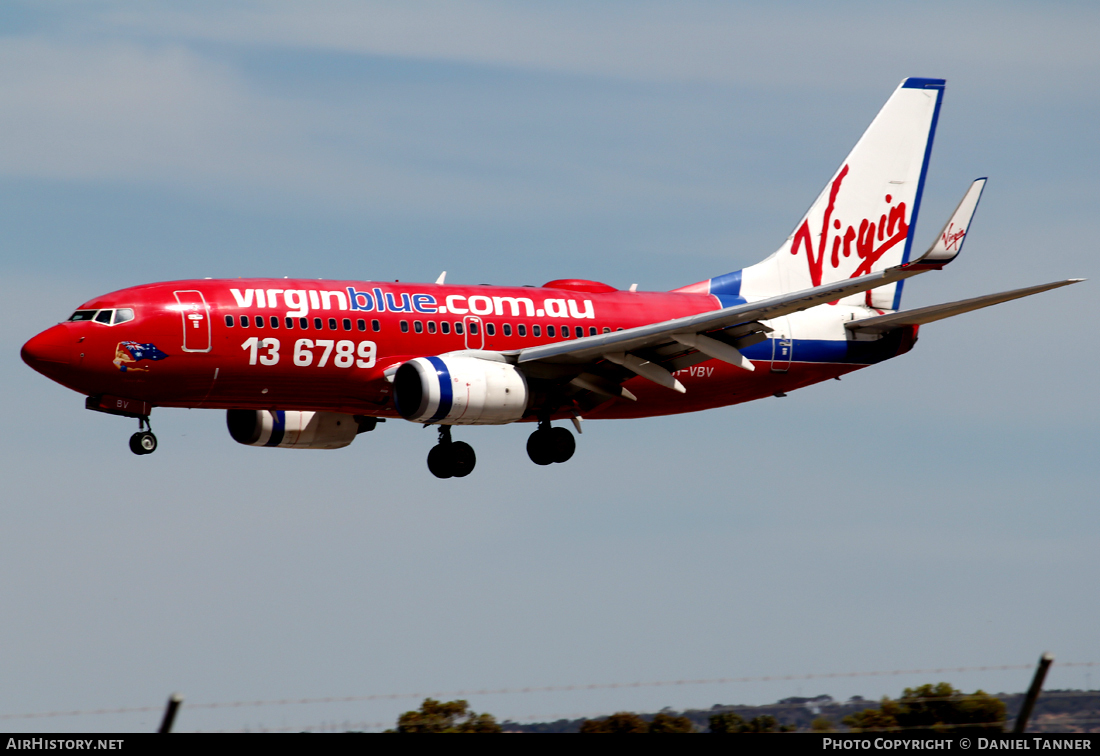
x: 106, y: 317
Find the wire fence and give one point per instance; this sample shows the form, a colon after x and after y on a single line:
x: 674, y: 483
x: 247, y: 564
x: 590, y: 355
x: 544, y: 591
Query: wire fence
x: 536, y: 689
x: 350, y: 726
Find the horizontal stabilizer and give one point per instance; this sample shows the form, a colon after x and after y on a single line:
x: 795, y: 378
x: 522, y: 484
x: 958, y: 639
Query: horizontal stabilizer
x: 923, y: 315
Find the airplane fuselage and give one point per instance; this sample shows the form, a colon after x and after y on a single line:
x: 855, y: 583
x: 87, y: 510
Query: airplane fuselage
x: 320, y: 345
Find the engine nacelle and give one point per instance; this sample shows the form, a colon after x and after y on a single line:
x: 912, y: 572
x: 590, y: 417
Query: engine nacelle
x: 459, y: 390
x: 294, y: 430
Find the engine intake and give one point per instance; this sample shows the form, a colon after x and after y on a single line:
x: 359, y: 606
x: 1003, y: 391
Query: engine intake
x: 295, y: 430
x: 458, y: 390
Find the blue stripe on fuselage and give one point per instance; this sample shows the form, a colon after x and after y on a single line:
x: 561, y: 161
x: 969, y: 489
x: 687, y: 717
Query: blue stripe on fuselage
x: 727, y: 288
x: 835, y: 351
x: 278, y: 429
x: 446, y: 398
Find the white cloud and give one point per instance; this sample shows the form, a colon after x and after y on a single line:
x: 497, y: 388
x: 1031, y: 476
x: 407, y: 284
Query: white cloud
x: 741, y: 43
x: 135, y: 93
x: 121, y: 111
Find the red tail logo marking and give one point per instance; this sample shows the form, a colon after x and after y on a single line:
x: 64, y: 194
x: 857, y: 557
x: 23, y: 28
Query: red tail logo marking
x: 951, y: 238
x: 890, y: 229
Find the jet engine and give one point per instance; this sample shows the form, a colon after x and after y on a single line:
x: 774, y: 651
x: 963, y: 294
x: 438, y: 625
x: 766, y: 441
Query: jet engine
x: 295, y: 430
x: 459, y: 390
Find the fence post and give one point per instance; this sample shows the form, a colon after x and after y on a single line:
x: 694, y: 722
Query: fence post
x: 174, y: 702
x: 1033, y: 693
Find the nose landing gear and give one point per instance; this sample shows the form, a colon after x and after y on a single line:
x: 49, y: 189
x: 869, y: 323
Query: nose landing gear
x: 548, y: 445
x: 143, y: 442
x: 451, y: 459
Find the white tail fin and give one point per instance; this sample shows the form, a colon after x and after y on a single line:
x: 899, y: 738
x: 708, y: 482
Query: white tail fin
x: 863, y: 220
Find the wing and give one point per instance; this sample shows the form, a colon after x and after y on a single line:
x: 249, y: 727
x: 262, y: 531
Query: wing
x: 599, y: 364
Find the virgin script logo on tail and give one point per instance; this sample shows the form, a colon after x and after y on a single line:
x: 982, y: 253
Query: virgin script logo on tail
x: 952, y: 238
x: 890, y: 229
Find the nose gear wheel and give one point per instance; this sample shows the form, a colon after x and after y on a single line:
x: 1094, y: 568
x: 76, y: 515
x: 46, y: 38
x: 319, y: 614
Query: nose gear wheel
x: 143, y: 442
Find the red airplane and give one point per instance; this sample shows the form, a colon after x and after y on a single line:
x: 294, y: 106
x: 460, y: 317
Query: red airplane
x: 311, y: 364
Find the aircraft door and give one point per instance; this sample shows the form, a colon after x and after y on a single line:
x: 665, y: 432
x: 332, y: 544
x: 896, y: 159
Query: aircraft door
x: 475, y: 336
x: 782, y: 345
x: 196, y: 321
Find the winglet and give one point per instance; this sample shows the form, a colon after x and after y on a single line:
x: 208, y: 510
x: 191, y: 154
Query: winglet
x: 950, y: 241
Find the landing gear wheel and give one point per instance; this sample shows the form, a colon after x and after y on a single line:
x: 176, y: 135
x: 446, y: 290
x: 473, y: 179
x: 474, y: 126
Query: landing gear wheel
x: 463, y: 459
x: 562, y: 444
x: 143, y: 442
x: 451, y: 459
x: 439, y: 461
x: 540, y: 448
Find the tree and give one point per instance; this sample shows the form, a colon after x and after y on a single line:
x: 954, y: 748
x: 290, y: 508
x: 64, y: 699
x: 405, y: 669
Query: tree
x: 821, y: 724
x: 622, y: 721
x: 667, y: 723
x: 937, y: 707
x: 729, y: 721
x: 445, y: 716
x: 733, y: 722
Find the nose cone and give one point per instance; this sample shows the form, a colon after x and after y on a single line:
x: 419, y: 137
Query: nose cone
x: 49, y: 350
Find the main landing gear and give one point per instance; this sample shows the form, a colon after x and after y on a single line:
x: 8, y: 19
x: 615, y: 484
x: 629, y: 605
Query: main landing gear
x: 548, y: 445
x: 143, y: 442
x: 451, y: 459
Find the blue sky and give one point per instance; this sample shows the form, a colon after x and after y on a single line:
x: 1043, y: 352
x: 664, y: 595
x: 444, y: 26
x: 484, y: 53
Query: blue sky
x: 934, y: 511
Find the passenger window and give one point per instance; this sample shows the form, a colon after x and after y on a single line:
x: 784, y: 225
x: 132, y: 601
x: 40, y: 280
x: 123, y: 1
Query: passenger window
x: 318, y: 324
x: 579, y: 330
x: 82, y: 315
x: 274, y: 322
x: 229, y: 321
x: 259, y: 321
x: 458, y: 328
x: 418, y: 326
x: 473, y: 328
x: 303, y: 323
x: 490, y: 329
x: 565, y: 332
x: 347, y: 324
x: 592, y: 330
x: 332, y: 324
x: 431, y: 326
x: 550, y: 331
x: 125, y: 315
x: 521, y: 329
x: 606, y: 329
x: 375, y: 326
x: 289, y: 322
x: 619, y: 328
x: 244, y: 321
x: 536, y: 331
x: 361, y: 324
x: 507, y: 329
x: 104, y: 316
x: 445, y: 327
x: 404, y: 326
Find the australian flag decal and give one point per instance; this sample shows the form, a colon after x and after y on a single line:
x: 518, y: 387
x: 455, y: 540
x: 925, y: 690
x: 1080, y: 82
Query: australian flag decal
x: 127, y: 353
